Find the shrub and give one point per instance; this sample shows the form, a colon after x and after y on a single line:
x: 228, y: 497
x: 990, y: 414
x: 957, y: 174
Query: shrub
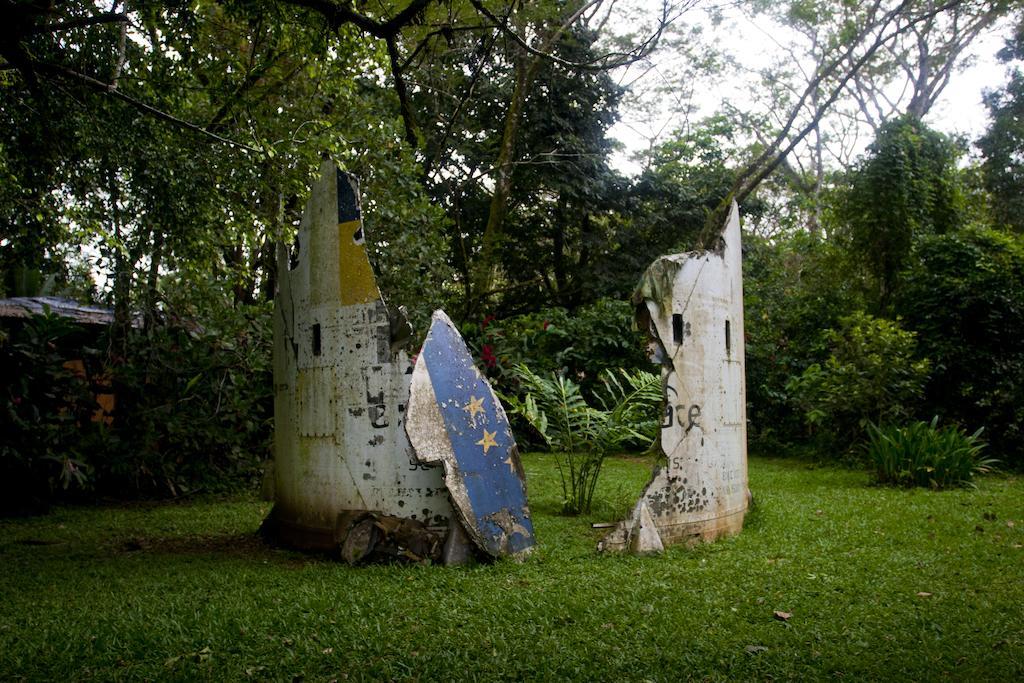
x: 195, y: 407
x: 870, y: 376
x: 964, y: 296
x: 46, y: 418
x: 791, y: 292
x: 581, y: 435
x: 579, y: 344
x: 922, y: 455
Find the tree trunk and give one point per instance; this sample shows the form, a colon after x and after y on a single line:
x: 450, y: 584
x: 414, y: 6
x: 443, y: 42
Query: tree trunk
x: 561, y: 284
x: 485, y: 269
x: 814, y: 220
x: 153, y: 277
x: 122, y: 273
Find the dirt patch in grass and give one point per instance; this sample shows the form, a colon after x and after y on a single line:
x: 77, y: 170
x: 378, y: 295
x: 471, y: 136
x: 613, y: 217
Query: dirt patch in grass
x: 244, y: 545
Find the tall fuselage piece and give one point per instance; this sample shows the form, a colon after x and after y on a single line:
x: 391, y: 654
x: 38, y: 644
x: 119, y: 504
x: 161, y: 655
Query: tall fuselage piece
x: 691, y: 305
x: 340, y: 383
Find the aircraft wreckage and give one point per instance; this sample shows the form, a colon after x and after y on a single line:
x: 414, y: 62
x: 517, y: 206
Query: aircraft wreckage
x: 378, y: 458
x: 691, y: 306
x: 346, y: 477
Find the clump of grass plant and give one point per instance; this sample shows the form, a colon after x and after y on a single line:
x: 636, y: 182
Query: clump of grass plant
x: 922, y: 454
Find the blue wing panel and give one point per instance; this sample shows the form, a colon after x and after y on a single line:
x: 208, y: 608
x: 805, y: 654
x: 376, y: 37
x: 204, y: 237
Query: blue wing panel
x: 481, y: 440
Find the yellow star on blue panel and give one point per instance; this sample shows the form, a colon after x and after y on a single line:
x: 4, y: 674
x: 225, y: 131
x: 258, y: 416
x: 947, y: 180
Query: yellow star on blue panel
x: 475, y: 405
x: 511, y: 465
x: 487, y: 441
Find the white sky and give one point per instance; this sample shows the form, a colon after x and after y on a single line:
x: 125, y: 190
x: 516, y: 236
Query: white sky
x: 959, y: 111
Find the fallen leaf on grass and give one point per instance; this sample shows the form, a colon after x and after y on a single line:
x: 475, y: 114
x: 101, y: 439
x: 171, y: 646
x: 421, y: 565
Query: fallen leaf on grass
x: 328, y: 650
x: 755, y: 649
x: 923, y: 594
x: 1009, y: 524
x: 782, y: 616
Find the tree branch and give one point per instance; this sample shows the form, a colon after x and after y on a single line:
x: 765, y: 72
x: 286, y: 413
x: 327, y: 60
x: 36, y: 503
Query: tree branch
x: 108, y: 18
x: 602, y: 63
x: 815, y: 83
x: 336, y: 15
x: 484, y: 51
x: 769, y: 160
x: 107, y: 89
x: 408, y: 117
x: 251, y: 78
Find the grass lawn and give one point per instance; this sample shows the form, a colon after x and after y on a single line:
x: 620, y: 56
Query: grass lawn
x: 880, y: 583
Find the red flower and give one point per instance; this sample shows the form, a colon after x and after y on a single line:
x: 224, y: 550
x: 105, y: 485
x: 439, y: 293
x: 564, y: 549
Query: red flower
x: 488, y: 357
x: 546, y: 323
x: 488, y: 319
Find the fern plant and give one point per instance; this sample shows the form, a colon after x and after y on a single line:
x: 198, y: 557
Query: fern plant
x: 582, y: 435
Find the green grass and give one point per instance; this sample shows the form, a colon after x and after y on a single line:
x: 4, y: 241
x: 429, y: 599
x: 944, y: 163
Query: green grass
x: 186, y: 592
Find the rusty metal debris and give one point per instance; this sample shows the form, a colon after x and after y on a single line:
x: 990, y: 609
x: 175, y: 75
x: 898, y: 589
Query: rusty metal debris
x: 368, y: 536
x: 692, y: 307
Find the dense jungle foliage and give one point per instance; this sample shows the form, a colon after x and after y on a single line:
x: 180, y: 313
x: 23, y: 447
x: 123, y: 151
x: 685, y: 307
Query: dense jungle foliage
x: 152, y: 156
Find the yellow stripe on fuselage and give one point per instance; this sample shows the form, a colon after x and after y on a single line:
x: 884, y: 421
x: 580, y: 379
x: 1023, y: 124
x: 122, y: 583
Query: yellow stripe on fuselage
x: 358, y: 285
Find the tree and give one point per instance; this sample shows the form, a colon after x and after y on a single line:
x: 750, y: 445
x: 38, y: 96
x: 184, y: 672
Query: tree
x: 566, y: 192
x: 272, y: 85
x: 490, y: 80
x: 853, y: 47
x: 907, y: 186
x: 1002, y: 146
x: 563, y: 192
x: 904, y: 75
x: 963, y: 293
x: 156, y: 192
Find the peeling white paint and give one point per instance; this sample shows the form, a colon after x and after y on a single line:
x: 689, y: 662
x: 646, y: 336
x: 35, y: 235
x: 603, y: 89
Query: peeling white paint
x: 692, y: 304
x: 340, y: 391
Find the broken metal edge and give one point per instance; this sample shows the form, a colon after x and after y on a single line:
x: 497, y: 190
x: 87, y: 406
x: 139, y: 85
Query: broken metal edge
x: 687, y: 534
x: 639, y: 533
x: 333, y: 205
x: 427, y: 432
